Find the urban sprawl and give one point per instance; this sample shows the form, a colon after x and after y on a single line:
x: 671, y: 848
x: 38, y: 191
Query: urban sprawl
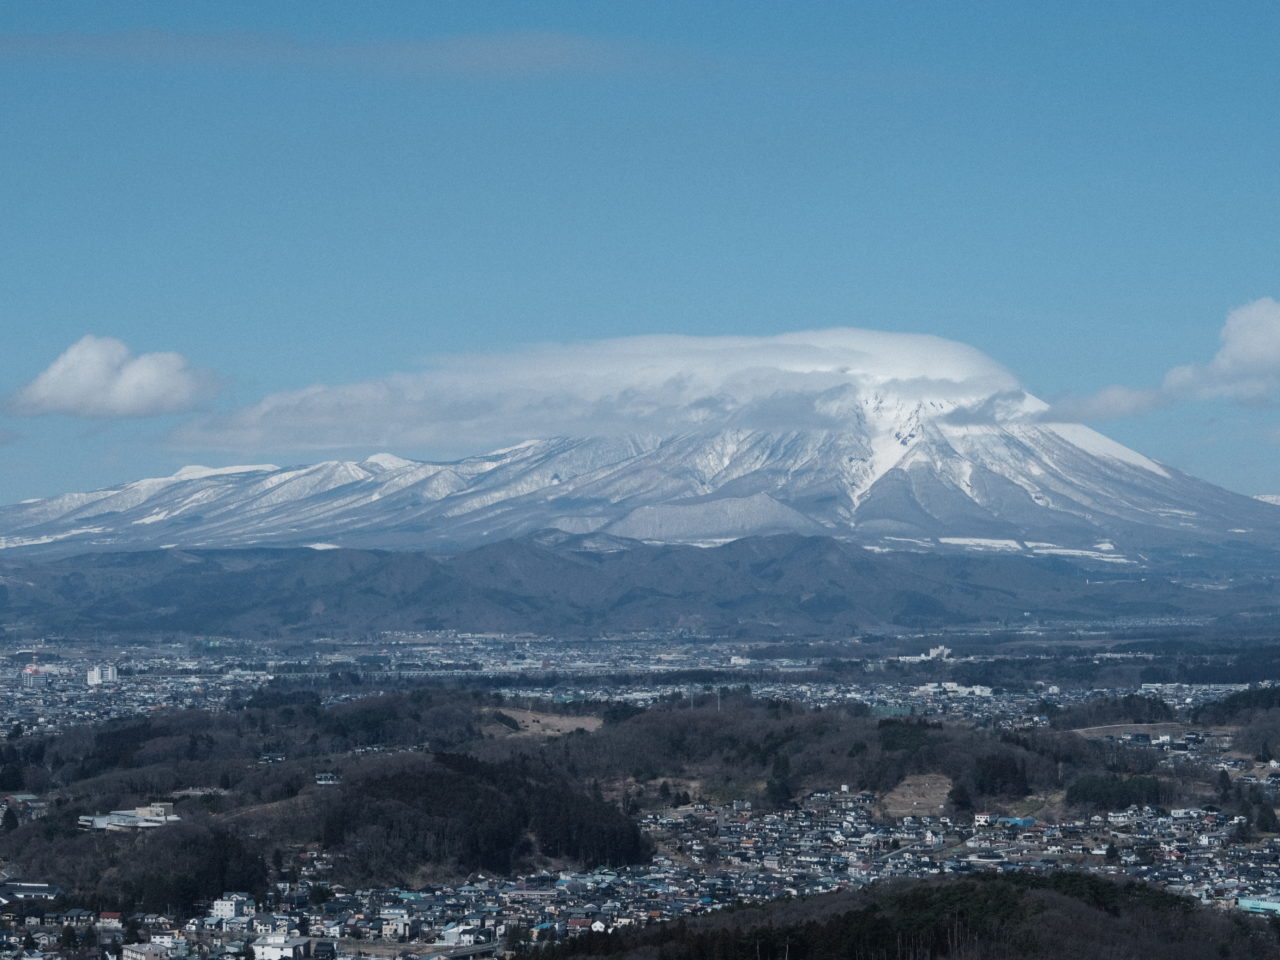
x: 706, y: 856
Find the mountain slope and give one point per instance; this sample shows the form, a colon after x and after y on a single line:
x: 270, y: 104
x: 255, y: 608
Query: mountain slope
x: 896, y: 475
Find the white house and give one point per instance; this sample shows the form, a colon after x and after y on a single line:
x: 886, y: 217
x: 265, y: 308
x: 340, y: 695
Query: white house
x: 232, y: 905
x: 277, y: 946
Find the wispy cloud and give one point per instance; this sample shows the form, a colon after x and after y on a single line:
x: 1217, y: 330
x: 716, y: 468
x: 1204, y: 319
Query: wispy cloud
x: 98, y: 377
x: 495, y: 56
x: 1110, y: 403
x: 1246, y: 369
x: 654, y: 384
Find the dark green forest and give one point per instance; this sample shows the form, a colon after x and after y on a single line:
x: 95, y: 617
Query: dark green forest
x: 986, y: 917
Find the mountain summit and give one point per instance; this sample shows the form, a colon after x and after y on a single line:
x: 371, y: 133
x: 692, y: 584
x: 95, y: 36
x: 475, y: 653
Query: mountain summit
x: 899, y: 472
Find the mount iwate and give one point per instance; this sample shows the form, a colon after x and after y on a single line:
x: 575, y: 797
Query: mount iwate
x: 897, y: 476
x: 805, y: 485
x: 890, y: 442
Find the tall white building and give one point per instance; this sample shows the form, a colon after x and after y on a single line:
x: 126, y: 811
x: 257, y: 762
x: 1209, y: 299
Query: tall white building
x: 106, y: 673
x: 232, y: 905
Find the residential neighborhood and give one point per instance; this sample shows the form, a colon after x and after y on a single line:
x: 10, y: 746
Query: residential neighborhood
x: 707, y: 857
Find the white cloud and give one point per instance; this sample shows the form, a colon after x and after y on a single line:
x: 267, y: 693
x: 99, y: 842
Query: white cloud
x: 98, y: 377
x: 1245, y: 369
x: 652, y: 384
x: 1109, y: 403
x: 1247, y: 366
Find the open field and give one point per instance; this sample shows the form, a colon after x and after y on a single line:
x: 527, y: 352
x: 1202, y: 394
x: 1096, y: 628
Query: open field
x: 918, y: 795
x: 537, y: 724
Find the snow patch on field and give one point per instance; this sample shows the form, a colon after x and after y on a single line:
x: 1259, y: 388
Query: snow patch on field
x: 981, y: 543
x: 9, y: 543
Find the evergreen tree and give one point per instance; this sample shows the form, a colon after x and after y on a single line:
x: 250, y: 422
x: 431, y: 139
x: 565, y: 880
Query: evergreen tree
x: 959, y: 798
x: 1265, y: 819
x: 516, y: 936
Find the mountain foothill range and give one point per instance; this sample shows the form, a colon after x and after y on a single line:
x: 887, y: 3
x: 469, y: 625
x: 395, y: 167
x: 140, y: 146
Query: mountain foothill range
x: 903, y: 515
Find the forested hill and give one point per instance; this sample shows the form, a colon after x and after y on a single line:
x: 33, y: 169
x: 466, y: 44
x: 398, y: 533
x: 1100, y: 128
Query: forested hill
x: 767, y: 586
x: 409, y: 804
x: 984, y: 917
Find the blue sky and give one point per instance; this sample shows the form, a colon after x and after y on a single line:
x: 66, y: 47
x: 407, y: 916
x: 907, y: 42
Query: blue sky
x: 279, y: 197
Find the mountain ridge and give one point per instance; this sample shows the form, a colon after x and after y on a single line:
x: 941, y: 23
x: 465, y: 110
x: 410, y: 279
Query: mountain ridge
x: 923, y: 475
x: 586, y: 585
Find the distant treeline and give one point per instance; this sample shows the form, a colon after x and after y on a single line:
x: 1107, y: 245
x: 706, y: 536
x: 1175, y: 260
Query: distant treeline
x: 1256, y: 713
x: 1239, y: 706
x: 1103, y: 711
x: 1110, y: 792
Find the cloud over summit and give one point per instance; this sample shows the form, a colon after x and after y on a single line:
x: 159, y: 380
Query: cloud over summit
x: 650, y: 384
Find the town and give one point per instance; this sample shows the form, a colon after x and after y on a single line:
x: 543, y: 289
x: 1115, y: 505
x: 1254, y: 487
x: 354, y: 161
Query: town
x: 707, y: 858
x: 706, y: 855
x: 58, y: 682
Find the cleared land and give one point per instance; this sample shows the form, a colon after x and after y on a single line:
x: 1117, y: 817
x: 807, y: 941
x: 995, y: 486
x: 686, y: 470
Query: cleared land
x: 918, y: 795
x: 537, y: 724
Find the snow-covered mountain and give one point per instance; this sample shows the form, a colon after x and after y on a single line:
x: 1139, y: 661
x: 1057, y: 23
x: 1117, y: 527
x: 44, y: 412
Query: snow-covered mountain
x: 897, y: 474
